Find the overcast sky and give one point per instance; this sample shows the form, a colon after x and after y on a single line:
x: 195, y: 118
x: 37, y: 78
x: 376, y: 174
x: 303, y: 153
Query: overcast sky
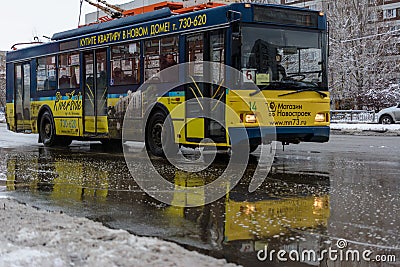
x: 21, y: 20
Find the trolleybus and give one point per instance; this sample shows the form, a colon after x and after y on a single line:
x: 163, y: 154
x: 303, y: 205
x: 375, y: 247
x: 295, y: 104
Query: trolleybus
x: 78, y: 85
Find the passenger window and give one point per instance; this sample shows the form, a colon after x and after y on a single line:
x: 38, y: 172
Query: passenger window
x: 152, y: 58
x: 169, y: 52
x: 160, y: 54
x: 195, y: 48
x: 125, y: 64
x: 68, y: 71
x: 46, y: 73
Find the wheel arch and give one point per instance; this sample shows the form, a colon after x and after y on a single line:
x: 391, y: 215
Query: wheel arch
x: 386, y: 114
x: 153, y: 109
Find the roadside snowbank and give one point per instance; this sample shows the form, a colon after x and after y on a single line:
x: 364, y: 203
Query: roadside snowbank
x: 11, y: 139
x: 2, y: 117
x: 33, y: 237
x: 365, y: 129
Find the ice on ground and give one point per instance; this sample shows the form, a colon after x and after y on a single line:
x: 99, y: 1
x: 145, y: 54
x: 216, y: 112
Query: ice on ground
x: 33, y: 237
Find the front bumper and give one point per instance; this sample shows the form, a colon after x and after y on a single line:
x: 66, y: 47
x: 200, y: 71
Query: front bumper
x: 299, y: 134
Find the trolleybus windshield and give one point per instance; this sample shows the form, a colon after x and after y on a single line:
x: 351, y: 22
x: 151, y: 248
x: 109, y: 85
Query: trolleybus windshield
x: 285, y: 59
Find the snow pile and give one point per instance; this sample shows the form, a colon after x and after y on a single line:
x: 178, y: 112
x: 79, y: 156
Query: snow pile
x: 33, y: 237
x: 395, y: 128
x: 2, y: 117
x: 11, y: 140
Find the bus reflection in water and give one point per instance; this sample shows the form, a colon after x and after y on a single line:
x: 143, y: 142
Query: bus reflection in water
x: 280, y: 213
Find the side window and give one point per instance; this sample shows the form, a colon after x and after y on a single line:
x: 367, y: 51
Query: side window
x: 68, y: 71
x: 18, y: 84
x: 125, y: 64
x: 46, y: 73
x: 169, y: 52
x: 217, y: 54
x: 152, y: 58
x: 195, y: 48
x: 160, y: 54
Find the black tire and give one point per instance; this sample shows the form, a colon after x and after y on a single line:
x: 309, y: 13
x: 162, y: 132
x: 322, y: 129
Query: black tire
x: 386, y: 119
x: 154, y: 129
x: 47, y: 130
x: 252, y: 148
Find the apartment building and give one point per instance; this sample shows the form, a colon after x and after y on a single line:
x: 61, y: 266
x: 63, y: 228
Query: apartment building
x: 314, y: 4
x: 2, y: 80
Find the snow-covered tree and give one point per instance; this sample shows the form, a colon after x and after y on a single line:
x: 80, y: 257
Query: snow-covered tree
x: 360, y: 45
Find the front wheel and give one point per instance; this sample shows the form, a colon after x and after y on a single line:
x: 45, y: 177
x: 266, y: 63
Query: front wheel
x: 159, y: 136
x: 386, y: 119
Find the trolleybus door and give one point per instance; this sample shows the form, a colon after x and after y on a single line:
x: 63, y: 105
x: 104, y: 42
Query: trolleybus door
x: 22, y: 96
x: 95, y: 92
x: 205, y: 47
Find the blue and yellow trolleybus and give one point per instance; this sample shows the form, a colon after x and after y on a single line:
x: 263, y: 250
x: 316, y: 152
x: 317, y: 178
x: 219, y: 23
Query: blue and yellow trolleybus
x: 75, y: 86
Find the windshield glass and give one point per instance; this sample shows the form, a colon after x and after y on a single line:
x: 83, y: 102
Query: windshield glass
x: 275, y: 56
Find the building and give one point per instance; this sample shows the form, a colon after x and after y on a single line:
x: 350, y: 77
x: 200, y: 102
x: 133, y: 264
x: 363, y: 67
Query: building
x: 313, y: 4
x: 2, y: 80
x: 93, y: 17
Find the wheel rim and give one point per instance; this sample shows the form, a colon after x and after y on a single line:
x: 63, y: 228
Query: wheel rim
x: 386, y: 120
x: 156, y: 133
x: 47, y: 129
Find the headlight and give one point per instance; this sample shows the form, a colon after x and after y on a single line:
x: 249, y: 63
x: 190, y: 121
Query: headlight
x: 320, y: 117
x: 250, y: 118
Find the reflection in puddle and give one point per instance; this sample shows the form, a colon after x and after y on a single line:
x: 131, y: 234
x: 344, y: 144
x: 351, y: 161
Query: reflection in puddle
x: 289, y: 210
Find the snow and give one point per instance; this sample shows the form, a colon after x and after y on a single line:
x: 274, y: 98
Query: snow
x: 395, y: 128
x: 9, y: 139
x: 32, y: 237
x: 2, y: 117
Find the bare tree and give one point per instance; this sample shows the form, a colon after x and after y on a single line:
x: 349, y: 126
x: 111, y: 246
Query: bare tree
x: 360, y: 47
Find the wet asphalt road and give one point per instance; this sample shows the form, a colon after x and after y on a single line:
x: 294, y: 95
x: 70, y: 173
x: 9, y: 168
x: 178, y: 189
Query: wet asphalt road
x: 314, y: 195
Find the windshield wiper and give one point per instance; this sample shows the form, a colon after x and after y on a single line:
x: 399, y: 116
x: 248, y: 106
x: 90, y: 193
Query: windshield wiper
x: 275, y: 86
x: 306, y: 89
x: 287, y: 85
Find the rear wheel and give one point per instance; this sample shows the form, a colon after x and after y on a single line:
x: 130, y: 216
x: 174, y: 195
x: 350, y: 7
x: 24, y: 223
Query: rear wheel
x: 47, y: 131
x: 386, y: 119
